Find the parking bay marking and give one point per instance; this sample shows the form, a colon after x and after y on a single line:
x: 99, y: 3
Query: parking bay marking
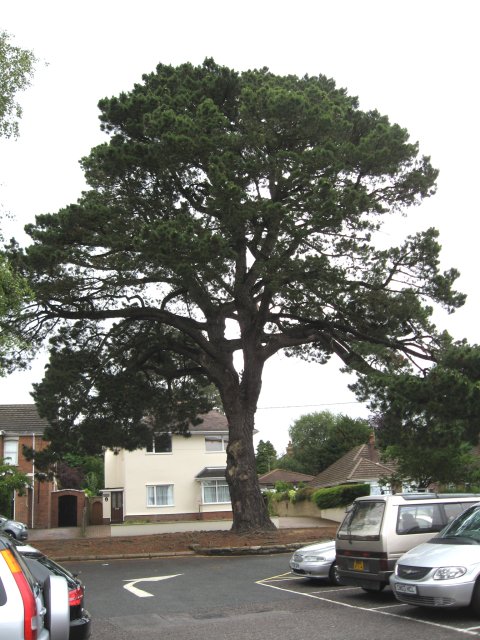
x: 130, y: 586
x: 265, y: 583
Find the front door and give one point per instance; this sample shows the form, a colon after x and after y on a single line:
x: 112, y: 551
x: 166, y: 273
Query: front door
x: 116, y: 513
x: 67, y: 511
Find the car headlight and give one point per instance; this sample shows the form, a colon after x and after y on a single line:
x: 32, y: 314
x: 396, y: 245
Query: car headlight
x: 449, y: 573
x: 314, y: 559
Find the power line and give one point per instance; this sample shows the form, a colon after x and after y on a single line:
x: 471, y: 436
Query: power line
x: 301, y: 406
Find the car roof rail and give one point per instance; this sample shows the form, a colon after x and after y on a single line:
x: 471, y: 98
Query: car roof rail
x: 442, y: 496
x: 458, y: 495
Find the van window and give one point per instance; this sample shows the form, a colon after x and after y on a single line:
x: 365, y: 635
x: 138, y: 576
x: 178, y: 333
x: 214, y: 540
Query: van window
x: 363, y: 522
x: 466, y: 526
x: 454, y: 509
x: 419, y: 519
x: 466, y: 505
x: 425, y: 518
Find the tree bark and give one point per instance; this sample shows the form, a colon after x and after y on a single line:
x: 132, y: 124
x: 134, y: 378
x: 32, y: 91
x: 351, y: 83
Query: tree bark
x: 250, y: 512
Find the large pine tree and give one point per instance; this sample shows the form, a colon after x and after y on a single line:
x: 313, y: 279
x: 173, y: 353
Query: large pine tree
x: 230, y: 216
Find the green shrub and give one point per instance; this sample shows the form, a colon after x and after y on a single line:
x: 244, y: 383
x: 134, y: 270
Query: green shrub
x: 283, y: 487
x: 340, y: 496
x: 269, y: 498
x: 278, y: 496
x: 303, y: 494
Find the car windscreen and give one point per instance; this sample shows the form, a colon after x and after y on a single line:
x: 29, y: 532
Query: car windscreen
x: 363, y: 521
x: 465, y: 529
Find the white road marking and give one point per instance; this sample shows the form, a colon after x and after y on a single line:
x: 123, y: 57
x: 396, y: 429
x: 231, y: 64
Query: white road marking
x: 130, y: 586
x: 265, y: 583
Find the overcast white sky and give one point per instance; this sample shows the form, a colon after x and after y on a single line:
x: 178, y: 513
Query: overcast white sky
x: 414, y: 60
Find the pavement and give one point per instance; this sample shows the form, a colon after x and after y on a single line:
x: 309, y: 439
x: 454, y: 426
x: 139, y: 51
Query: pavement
x: 107, y: 531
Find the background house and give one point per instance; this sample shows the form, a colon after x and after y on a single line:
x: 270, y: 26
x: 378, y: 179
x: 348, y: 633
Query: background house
x: 174, y: 478
x: 42, y: 506
x: 267, y: 481
x: 359, y: 465
x: 20, y: 425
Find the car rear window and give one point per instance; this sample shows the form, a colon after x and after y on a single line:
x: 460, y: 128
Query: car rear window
x: 363, y: 521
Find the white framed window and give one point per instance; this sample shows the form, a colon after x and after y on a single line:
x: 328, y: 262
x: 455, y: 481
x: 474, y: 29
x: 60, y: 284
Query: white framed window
x: 215, y: 492
x: 160, y: 443
x: 216, y: 443
x: 159, y: 495
x: 377, y: 489
x: 10, y: 452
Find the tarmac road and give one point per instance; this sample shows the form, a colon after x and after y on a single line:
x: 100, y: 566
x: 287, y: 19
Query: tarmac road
x: 247, y: 598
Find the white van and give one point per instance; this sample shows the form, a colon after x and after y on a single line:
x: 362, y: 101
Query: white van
x: 377, y: 530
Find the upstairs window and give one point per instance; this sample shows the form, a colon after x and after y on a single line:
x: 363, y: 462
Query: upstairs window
x: 10, y: 452
x: 161, y: 443
x: 216, y: 443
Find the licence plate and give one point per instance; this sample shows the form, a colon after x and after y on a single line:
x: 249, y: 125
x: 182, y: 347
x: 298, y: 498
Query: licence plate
x: 295, y: 565
x: 406, y: 588
x: 358, y: 565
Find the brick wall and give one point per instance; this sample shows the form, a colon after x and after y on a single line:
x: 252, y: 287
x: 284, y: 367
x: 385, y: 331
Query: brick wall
x: 182, y: 517
x: 32, y: 508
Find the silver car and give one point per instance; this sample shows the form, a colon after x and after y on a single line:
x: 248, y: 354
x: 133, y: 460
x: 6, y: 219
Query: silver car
x: 29, y: 611
x: 17, y: 530
x: 316, y: 561
x: 444, y: 572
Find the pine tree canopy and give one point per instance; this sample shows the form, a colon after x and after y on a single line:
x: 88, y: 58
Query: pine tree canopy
x: 229, y: 216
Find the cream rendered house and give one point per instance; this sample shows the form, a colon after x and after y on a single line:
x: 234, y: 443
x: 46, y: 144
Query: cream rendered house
x: 176, y: 478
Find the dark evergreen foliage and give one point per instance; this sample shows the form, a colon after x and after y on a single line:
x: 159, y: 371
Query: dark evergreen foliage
x: 229, y: 213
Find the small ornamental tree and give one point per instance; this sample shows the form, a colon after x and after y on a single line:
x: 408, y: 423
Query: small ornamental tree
x: 266, y: 457
x: 11, y: 479
x: 230, y: 216
x: 16, y: 71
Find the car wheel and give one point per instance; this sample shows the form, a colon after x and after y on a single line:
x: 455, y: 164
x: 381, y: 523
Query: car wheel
x: 333, y: 574
x: 475, y: 601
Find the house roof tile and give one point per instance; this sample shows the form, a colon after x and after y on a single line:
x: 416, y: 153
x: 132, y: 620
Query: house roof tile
x: 21, y: 419
x: 24, y: 419
x: 360, y: 464
x: 212, y: 422
x: 280, y: 475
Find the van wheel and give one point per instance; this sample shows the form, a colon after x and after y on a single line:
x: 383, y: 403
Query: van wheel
x: 374, y: 589
x: 475, y: 601
x: 333, y: 574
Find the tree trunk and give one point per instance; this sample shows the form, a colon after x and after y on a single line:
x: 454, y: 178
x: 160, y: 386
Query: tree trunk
x: 250, y: 512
